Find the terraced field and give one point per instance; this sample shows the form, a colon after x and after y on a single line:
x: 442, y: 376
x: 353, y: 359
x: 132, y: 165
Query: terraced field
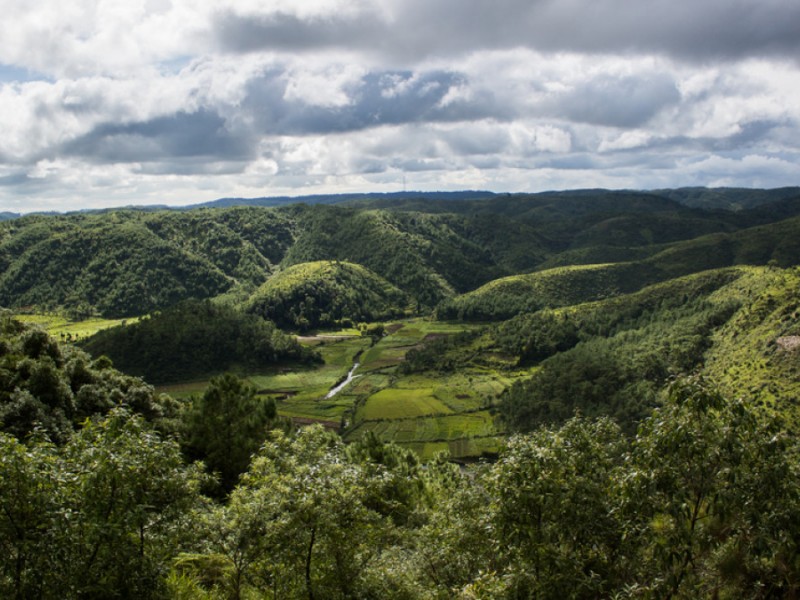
x: 428, y: 413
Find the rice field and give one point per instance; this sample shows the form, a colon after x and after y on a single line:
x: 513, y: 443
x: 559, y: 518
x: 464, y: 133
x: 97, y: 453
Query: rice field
x: 439, y: 428
x: 58, y: 326
x: 428, y: 413
x: 402, y: 403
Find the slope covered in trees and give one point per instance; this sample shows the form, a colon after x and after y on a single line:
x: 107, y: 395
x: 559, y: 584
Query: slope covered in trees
x: 324, y: 294
x: 777, y: 244
x: 127, y: 262
x: 615, y: 356
x: 195, y: 338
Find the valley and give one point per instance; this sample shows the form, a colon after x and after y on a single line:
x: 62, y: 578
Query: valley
x: 405, y: 398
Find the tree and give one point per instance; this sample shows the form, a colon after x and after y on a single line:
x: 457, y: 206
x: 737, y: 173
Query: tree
x: 100, y: 517
x: 31, y: 479
x: 226, y: 425
x: 713, y: 499
x: 553, y: 497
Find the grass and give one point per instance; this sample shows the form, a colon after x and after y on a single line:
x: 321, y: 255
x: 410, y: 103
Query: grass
x: 301, y: 393
x: 394, y: 403
x: 437, y: 428
x: 427, y: 413
x: 57, y: 325
x: 468, y: 449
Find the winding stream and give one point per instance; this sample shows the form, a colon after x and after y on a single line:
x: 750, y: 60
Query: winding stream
x: 343, y: 384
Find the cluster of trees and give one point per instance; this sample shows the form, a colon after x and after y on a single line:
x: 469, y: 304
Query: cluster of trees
x: 53, y: 388
x: 538, y: 335
x: 326, y: 294
x: 195, y: 338
x: 618, y: 374
x: 703, y: 501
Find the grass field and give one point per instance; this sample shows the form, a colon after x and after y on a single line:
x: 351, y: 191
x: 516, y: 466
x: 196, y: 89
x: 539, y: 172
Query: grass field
x: 426, y: 412
x: 466, y: 448
x: 438, y: 428
x: 57, y: 326
x: 301, y: 393
x: 394, y: 403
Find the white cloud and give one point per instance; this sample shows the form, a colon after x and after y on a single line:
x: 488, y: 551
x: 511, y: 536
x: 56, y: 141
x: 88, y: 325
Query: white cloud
x: 141, y: 101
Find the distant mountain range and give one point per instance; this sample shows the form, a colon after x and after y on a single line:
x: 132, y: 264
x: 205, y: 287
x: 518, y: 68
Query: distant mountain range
x: 695, y: 197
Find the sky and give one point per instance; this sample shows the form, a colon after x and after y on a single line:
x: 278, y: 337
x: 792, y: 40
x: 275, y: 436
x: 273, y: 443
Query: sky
x: 134, y: 102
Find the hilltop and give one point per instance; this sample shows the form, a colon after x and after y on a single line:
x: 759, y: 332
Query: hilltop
x: 326, y: 294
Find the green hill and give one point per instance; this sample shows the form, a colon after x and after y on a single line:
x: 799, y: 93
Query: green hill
x: 195, y: 338
x: 325, y: 293
x: 737, y: 326
x: 127, y: 262
x: 777, y: 244
x: 429, y: 256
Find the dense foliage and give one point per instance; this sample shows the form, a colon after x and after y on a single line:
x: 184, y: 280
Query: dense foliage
x: 703, y: 501
x: 195, y: 338
x: 326, y: 294
x: 53, y: 388
x: 100, y: 517
x: 128, y: 263
x: 777, y: 244
x: 656, y: 402
x: 226, y: 425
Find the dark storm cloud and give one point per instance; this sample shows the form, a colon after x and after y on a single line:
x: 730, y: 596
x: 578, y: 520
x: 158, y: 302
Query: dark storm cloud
x: 17, y: 179
x: 282, y: 31
x: 710, y: 29
x: 201, y: 135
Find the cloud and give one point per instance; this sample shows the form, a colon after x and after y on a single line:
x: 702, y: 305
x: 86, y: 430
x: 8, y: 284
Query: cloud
x: 200, y: 135
x: 629, y: 101
x: 376, y: 99
x: 419, y: 29
x: 182, y: 101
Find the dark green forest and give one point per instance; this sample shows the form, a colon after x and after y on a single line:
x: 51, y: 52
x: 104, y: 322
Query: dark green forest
x: 641, y: 352
x: 193, y: 338
x: 326, y: 294
x: 128, y: 263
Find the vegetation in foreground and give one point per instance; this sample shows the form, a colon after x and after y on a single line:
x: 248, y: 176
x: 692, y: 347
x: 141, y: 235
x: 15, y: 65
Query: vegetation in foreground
x: 703, y: 501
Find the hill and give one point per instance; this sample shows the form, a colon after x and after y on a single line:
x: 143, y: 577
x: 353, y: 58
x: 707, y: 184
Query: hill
x: 777, y: 244
x: 733, y: 326
x: 342, y: 198
x: 728, y: 198
x: 195, y: 338
x: 129, y: 262
x: 324, y: 294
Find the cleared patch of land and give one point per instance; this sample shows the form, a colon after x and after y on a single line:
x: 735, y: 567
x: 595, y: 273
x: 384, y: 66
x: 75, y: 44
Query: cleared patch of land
x: 59, y: 326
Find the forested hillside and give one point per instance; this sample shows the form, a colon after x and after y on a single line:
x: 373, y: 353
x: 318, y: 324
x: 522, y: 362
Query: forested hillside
x: 194, y: 338
x: 123, y: 263
x: 326, y: 294
x: 615, y: 357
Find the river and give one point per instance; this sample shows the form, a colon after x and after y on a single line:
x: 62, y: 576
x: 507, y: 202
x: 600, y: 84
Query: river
x: 343, y: 384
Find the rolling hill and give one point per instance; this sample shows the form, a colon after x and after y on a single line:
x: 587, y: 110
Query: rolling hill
x: 129, y: 262
x: 324, y: 294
